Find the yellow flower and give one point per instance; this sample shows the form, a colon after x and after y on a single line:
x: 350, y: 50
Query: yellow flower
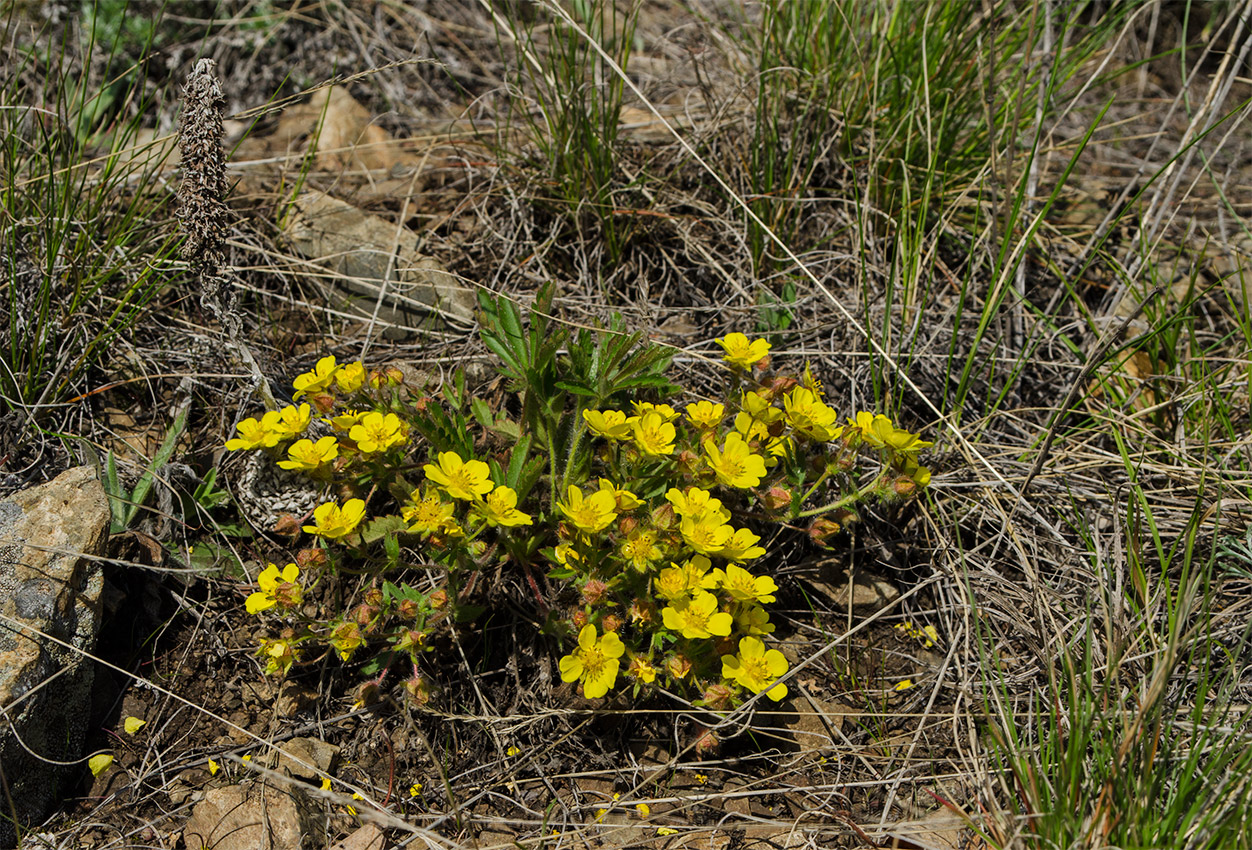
x: 512, y: 751
x: 345, y: 420
x: 500, y: 508
x: 811, y: 416
x: 305, y: 455
x: 133, y: 725
x: 697, y: 617
x: 677, y: 582
x: 317, y: 381
x: 697, y: 504
x: 624, y: 499
x: 594, y: 662
x: 879, y: 432
x: 759, y: 408
x: 741, y: 546
x: 332, y: 522
x: 351, y: 377
x: 415, y: 790
x: 591, y: 514
x: 429, y: 515
x: 667, y: 413
x: 270, y: 581
x: 753, y: 620
x: 642, y: 669
x: 608, y: 423
x: 735, y: 465
x: 279, y: 655
x: 346, y: 639
x: 377, y: 433
x: 465, y: 480
x: 707, y: 535
x: 639, y: 549
x: 289, y: 422
x: 652, y: 434
x: 743, y: 586
x: 740, y: 353
x: 253, y: 434
x: 756, y: 669
x: 706, y: 415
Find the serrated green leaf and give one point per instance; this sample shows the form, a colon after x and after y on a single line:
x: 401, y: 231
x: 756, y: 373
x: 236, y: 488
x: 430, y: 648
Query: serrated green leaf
x: 379, y: 527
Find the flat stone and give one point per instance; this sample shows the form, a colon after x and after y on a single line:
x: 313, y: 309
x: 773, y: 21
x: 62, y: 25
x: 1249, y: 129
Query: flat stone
x: 260, y: 817
x: 50, y: 585
x: 368, y: 837
x: 308, y: 758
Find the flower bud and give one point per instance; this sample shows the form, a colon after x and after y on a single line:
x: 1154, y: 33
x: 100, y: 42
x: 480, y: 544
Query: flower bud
x: 611, y: 623
x: 322, y: 402
x: 311, y: 558
x: 627, y: 524
x: 594, y: 591
x: 418, y: 689
x: 707, y: 743
x: 374, y: 597
x: 719, y: 697
x: 777, y: 498
x: 579, y: 619
x: 408, y: 609
x: 367, y: 694
x: 365, y: 615
x: 438, y: 599
x: 678, y: 666
x: 664, y: 518
x: 288, y: 594
x: 822, y: 529
x: 410, y: 640
x: 904, y: 486
x: 643, y: 611
x: 287, y: 525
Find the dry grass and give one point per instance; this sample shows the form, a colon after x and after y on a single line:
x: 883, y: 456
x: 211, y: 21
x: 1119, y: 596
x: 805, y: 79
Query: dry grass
x: 1070, y: 327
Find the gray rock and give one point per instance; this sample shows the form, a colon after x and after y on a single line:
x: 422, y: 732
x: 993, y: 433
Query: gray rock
x: 50, y: 588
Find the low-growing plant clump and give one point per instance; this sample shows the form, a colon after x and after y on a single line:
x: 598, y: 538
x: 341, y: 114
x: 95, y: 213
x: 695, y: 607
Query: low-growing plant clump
x: 650, y: 526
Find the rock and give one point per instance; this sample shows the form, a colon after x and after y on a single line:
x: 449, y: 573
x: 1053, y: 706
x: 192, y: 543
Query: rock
x: 364, y: 252
x: 368, y: 837
x: 50, y: 584
x: 865, y: 594
x: 308, y: 758
x: 260, y: 817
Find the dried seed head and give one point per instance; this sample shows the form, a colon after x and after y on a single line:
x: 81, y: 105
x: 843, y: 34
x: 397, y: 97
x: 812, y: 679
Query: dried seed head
x: 201, y: 196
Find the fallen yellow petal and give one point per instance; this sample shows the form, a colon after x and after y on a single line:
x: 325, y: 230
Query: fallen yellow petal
x: 133, y: 725
x: 99, y: 763
x: 214, y: 767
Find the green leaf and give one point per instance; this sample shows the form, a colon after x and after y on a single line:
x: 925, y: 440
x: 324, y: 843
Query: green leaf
x: 380, y: 527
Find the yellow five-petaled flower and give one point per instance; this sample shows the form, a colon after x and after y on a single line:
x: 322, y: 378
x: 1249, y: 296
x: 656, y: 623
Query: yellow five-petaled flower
x: 306, y: 455
x: 377, y: 432
x: 333, y: 522
x: 500, y: 508
x: 740, y: 353
x: 591, y: 514
x: 594, y: 662
x: 756, y: 669
x: 697, y: 616
x: 735, y: 465
x: 277, y: 586
x: 465, y: 480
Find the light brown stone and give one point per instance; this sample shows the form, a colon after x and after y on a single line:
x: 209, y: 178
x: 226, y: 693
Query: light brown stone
x: 368, y: 837
x: 257, y: 818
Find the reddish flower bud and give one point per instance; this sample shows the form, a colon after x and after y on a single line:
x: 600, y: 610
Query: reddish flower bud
x: 611, y: 623
x: 664, y: 518
x: 594, y: 591
x: 311, y: 558
x: 643, y: 611
x: 707, y: 743
x: 287, y: 525
x: 418, y: 689
x: 579, y: 619
x: 626, y: 525
x: 322, y: 402
x: 408, y: 609
x: 678, y: 666
x: 822, y: 529
x: 374, y: 597
x: 438, y: 600
x: 777, y: 498
x: 904, y: 486
x: 719, y: 697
